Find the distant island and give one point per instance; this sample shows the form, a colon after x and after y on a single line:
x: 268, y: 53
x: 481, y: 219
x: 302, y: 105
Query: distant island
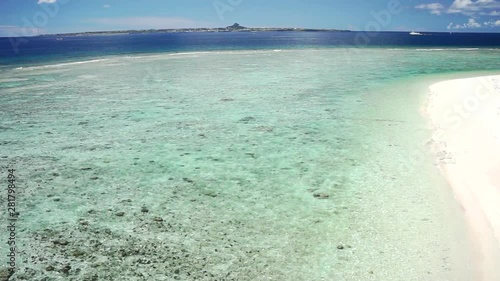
x: 232, y: 28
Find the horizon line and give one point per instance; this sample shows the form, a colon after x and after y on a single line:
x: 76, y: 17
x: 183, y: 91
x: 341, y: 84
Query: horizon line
x: 243, y: 29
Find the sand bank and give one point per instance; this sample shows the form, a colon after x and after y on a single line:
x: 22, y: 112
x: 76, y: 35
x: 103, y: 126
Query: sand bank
x: 465, y: 115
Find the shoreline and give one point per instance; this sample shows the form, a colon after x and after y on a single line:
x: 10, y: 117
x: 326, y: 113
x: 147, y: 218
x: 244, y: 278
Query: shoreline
x: 465, y: 118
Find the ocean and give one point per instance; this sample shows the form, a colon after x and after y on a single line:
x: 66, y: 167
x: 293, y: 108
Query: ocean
x: 36, y: 50
x: 232, y: 156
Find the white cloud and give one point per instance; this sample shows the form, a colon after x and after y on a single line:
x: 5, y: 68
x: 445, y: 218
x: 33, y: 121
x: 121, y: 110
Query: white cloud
x: 106, y: 6
x: 46, y: 1
x: 465, y: 7
x: 492, y: 23
x: 150, y: 22
x: 471, y: 23
x: 471, y: 7
x: 434, y: 8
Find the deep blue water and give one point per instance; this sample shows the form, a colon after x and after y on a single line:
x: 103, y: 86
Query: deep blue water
x: 39, y: 50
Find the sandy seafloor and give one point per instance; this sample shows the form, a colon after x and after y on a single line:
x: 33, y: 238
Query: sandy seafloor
x: 240, y: 165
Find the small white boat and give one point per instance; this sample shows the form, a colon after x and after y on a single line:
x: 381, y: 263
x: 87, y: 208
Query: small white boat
x: 415, y: 33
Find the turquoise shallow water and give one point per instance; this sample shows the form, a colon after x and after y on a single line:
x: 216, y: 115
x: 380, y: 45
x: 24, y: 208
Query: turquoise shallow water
x: 236, y: 165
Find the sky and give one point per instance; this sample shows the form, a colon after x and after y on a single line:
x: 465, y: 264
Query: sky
x: 33, y: 17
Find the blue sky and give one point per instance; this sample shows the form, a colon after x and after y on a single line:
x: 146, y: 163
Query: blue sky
x: 30, y: 17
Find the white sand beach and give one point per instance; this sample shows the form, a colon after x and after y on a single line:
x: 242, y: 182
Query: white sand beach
x: 465, y: 115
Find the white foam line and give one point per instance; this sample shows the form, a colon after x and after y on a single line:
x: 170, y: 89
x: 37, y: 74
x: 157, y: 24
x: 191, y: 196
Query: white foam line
x: 59, y: 64
x: 448, y: 49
